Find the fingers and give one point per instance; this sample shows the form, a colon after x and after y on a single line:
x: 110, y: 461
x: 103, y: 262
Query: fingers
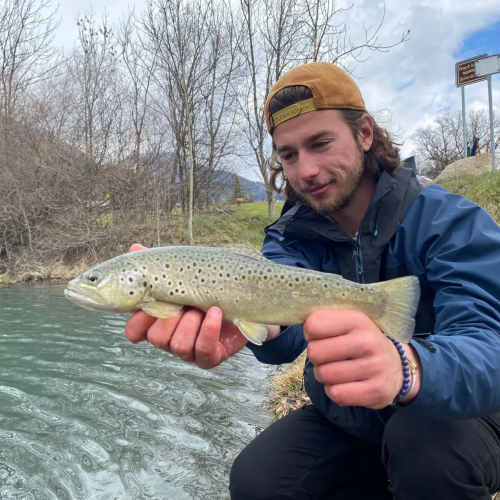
x: 207, y: 349
x: 183, y: 340
x: 137, y: 246
x: 323, y: 324
x: 161, y: 331
x: 337, y: 349
x: 193, y: 336
x: 343, y: 372
x: 137, y: 327
x: 365, y: 393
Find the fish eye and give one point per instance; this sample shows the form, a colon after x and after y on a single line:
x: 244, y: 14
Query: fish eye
x: 93, y: 278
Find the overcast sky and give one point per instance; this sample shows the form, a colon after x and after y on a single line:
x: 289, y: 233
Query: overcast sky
x: 415, y: 81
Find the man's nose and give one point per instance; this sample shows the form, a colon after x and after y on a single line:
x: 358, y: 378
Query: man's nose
x: 308, y: 169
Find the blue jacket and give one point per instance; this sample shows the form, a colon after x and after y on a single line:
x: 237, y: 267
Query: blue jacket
x: 453, y: 247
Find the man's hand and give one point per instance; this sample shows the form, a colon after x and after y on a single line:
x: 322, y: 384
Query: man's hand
x: 357, y: 364
x: 195, y: 337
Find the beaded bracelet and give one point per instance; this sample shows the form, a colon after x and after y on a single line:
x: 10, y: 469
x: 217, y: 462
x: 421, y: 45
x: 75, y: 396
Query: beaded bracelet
x: 405, y: 389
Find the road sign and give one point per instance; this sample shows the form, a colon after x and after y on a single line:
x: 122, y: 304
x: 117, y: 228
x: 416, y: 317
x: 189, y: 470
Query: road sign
x: 488, y: 66
x: 465, y: 74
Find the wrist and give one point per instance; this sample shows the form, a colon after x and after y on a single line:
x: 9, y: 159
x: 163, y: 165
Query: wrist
x: 416, y: 374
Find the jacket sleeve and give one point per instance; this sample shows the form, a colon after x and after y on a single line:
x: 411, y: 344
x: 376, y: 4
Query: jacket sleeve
x: 456, y: 246
x: 291, y: 342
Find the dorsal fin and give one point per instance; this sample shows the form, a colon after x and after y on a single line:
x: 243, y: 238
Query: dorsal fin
x: 245, y: 250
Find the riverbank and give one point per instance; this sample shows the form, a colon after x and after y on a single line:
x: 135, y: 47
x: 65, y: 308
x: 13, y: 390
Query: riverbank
x: 231, y: 224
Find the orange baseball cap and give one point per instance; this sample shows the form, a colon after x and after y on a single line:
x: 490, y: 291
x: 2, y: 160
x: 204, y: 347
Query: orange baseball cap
x: 331, y: 87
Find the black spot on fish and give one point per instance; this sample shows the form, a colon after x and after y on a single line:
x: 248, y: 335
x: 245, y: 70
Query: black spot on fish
x: 164, y: 276
x: 156, y: 278
x: 131, y: 280
x: 167, y: 266
x: 145, y: 284
x: 151, y: 287
x: 131, y: 293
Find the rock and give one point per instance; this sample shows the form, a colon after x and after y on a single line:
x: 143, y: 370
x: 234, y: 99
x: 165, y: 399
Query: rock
x: 474, y: 165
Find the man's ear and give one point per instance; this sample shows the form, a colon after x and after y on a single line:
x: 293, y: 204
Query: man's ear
x: 365, y: 131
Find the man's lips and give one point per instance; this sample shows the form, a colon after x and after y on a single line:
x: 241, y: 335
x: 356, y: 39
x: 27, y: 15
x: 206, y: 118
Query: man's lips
x: 318, y: 189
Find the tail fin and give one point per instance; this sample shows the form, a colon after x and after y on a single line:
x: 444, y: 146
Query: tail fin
x: 403, y: 295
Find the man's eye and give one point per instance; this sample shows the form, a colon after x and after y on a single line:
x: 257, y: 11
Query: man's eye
x: 287, y: 157
x: 319, y: 145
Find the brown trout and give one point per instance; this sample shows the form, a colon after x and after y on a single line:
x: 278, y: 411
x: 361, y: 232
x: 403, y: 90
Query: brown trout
x: 251, y: 290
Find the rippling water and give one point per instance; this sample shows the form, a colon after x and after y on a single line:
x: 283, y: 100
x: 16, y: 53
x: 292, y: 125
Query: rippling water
x: 86, y: 414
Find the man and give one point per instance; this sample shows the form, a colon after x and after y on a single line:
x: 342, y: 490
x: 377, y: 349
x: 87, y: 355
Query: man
x: 374, y: 430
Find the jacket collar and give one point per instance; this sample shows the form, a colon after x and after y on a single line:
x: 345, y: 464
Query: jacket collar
x: 392, y: 197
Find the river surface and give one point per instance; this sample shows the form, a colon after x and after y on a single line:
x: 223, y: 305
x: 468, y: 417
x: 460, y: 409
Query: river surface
x: 85, y: 414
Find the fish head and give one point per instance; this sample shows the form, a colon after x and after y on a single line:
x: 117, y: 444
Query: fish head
x: 104, y: 289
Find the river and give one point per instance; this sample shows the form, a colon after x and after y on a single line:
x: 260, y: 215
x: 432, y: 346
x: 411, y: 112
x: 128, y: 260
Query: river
x: 85, y: 414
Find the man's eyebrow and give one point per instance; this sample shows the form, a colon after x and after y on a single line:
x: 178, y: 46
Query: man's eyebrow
x: 308, y: 140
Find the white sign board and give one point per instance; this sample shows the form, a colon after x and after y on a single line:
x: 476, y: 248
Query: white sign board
x: 488, y: 66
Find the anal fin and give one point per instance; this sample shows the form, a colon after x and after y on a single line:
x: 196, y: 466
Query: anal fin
x: 254, y: 332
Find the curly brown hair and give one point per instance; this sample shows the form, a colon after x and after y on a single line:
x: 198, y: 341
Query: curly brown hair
x: 382, y: 156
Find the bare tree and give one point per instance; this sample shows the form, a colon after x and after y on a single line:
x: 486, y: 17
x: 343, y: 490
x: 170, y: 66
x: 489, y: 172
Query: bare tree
x: 325, y: 39
x: 442, y: 143
x: 26, y: 51
x: 94, y: 69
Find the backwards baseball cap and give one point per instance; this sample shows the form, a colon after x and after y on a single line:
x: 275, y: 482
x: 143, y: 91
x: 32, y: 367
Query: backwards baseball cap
x: 331, y: 87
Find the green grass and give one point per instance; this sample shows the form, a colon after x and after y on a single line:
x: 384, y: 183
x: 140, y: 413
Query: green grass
x: 482, y: 189
x: 5, y: 279
x: 245, y: 225
x: 258, y: 208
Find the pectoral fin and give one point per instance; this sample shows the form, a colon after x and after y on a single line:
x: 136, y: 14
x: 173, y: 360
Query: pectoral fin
x: 254, y: 332
x: 160, y: 309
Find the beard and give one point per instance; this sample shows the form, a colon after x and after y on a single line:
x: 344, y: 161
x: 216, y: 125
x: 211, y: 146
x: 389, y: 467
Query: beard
x: 346, y: 189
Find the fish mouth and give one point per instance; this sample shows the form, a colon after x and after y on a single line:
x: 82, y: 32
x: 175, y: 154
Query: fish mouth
x: 78, y: 297
x: 85, y: 301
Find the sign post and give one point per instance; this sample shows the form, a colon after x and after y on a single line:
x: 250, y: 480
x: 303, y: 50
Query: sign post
x: 489, y: 66
x: 465, y: 74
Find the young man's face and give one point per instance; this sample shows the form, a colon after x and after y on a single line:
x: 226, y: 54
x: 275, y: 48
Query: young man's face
x: 321, y: 159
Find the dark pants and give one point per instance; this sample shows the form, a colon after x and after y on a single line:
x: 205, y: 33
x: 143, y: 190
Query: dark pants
x: 304, y: 456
